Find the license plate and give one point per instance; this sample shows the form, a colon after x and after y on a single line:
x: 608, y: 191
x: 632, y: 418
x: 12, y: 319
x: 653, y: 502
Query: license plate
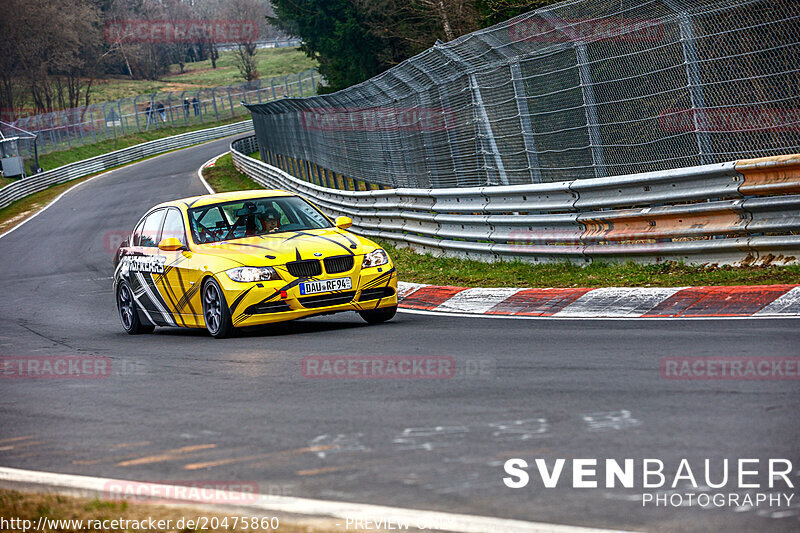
x: 326, y: 285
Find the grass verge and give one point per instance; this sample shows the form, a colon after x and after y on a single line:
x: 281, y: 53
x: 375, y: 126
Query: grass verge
x: 270, y: 62
x: 425, y: 268
x: 223, y: 176
x: 32, y: 506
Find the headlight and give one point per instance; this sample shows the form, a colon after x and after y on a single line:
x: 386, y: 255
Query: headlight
x: 375, y: 258
x: 249, y: 274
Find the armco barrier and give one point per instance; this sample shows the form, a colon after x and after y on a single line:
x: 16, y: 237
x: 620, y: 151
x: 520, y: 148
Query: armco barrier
x: 697, y: 215
x: 71, y: 171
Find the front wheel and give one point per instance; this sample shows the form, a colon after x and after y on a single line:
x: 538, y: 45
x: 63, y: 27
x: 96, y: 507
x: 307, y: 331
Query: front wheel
x: 376, y: 316
x: 215, y: 311
x: 127, y: 312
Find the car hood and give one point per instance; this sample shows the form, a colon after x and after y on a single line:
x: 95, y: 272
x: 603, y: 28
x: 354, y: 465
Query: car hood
x: 284, y: 247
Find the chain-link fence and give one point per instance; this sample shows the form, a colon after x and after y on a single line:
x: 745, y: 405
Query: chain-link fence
x: 61, y: 130
x: 580, y: 89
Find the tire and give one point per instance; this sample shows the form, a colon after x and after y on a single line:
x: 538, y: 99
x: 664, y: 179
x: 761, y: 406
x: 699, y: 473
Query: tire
x: 216, y: 314
x: 376, y: 316
x: 128, y: 314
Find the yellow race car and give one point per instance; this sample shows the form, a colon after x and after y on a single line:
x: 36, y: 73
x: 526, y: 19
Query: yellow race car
x: 246, y: 258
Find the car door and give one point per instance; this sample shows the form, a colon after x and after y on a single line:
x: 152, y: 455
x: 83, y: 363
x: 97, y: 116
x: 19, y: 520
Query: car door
x: 146, y: 266
x: 179, y: 281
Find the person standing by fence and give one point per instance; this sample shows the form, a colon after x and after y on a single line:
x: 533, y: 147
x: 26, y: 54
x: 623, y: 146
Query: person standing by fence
x: 148, y: 112
x: 196, y: 106
x: 186, y: 107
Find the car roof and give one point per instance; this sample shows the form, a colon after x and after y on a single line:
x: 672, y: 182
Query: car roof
x: 216, y: 198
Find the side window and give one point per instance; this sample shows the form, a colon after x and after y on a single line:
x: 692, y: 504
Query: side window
x: 150, y: 230
x: 137, y: 234
x: 173, y: 226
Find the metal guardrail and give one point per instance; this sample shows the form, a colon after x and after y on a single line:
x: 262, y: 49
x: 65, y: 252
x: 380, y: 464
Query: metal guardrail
x: 705, y: 214
x: 71, y: 171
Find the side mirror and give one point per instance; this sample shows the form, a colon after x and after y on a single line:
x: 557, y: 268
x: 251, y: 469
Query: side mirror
x: 344, y: 222
x: 170, y: 244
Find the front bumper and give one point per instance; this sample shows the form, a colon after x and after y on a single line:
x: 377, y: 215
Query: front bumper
x: 265, y: 302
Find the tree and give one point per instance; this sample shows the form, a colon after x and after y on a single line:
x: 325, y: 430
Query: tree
x: 493, y: 11
x: 335, y: 33
x: 53, y: 51
x: 252, y: 11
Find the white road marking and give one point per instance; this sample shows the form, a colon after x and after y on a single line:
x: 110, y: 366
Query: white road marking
x: 204, y: 165
x: 618, y: 301
x: 786, y: 304
x: 476, y: 300
x: 57, y: 198
x: 338, y: 444
x: 610, y: 420
x: 458, y: 523
x: 520, y: 429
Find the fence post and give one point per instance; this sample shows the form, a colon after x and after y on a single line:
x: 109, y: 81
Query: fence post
x: 136, y: 112
x: 587, y: 91
x: 122, y: 121
x: 525, y: 121
x: 694, y: 81
x: 483, y: 120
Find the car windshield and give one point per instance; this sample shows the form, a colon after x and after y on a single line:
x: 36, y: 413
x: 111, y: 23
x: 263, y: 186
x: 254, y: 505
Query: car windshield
x: 254, y: 217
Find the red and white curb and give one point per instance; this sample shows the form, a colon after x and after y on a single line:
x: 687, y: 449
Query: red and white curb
x: 760, y: 301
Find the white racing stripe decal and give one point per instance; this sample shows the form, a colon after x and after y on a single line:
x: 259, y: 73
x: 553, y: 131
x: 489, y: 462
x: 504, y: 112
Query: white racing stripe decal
x: 156, y: 302
x: 459, y: 523
x: 476, y: 300
x: 618, y: 301
x: 139, y: 304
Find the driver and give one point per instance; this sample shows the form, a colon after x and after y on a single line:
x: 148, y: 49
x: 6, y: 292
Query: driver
x: 269, y: 220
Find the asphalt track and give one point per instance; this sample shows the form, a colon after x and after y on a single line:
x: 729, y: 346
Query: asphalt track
x: 180, y: 405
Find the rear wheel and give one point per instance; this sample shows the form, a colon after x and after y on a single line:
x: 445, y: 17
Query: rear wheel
x: 215, y: 311
x: 128, y: 314
x: 376, y: 316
